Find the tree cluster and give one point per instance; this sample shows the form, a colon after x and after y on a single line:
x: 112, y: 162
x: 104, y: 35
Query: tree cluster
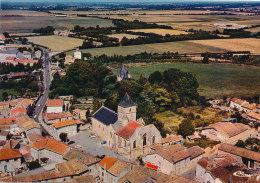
x: 49, y: 30
x: 6, y: 68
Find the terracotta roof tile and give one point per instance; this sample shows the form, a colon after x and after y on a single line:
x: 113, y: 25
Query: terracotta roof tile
x: 19, y: 109
x: 195, y: 151
x: 34, y: 137
x: 118, y: 167
x: 51, y: 145
x: 84, y: 178
x: 127, y: 131
x: 172, y: 153
x: 81, y: 156
x: 240, y: 152
x: 25, y: 61
x: 227, y: 128
x: 77, y: 110
x: 6, y: 154
x: 65, y: 123
x: 7, y: 121
x: 238, y: 101
x: 54, y: 102
x: 11, y: 144
x: 107, y: 162
x: 10, y: 58
x: 73, y: 167
x: 53, y: 116
x: 254, y: 115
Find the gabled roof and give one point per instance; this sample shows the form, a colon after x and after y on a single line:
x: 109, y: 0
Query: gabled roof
x: 107, y: 162
x: 195, y: 151
x: 242, y: 152
x: 127, y: 131
x: 105, y: 116
x: 7, y: 121
x: 172, y: 153
x: 73, y: 167
x: 126, y: 101
x: 6, y: 154
x: 34, y: 137
x: 52, y: 116
x: 238, y: 101
x: 11, y: 144
x: 81, y: 156
x: 54, y: 102
x: 227, y: 128
x: 52, y: 145
x: 249, y: 106
x: 65, y: 123
x: 18, y: 109
x: 254, y: 115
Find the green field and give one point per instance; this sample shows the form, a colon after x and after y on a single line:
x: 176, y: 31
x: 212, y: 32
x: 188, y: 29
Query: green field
x: 33, y: 20
x: 178, y: 46
x: 215, y: 80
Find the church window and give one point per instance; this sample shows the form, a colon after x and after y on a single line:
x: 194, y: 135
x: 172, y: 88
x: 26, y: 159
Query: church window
x: 134, y: 144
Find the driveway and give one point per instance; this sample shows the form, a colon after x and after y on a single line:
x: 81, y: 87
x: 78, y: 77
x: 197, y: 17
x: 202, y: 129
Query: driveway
x: 93, y: 146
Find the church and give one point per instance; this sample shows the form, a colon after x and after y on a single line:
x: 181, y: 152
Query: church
x: 123, y: 133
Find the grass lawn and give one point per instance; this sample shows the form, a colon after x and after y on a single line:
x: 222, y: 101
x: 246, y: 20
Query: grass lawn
x: 215, y: 80
x: 56, y: 43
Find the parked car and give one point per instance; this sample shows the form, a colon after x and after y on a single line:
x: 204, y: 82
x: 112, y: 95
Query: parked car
x: 92, y: 135
x: 71, y: 142
x: 104, y: 142
x: 78, y: 146
x: 39, y: 105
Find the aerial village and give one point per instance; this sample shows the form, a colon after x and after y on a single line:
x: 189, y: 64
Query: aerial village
x: 116, y: 146
x: 49, y: 137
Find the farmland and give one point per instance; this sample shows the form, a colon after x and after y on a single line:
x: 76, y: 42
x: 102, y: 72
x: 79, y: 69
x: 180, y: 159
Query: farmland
x: 120, y: 36
x: 192, y: 46
x: 56, y: 43
x: 215, y: 80
x: 26, y: 21
x: 162, y: 32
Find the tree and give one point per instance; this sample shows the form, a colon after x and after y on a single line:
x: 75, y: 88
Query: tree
x: 240, y: 143
x: 205, y: 60
x: 186, y: 128
x: 5, y: 96
x: 6, y: 34
x: 63, y: 137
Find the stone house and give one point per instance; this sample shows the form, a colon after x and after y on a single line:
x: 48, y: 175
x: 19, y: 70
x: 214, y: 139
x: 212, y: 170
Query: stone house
x: 122, y: 132
x: 141, y: 174
x: 28, y: 126
x: 10, y: 160
x: 85, y: 158
x: 228, y: 132
x: 55, y: 106
x: 69, y: 127
x: 61, y: 172
x: 134, y: 139
x: 111, y: 169
x: 237, y: 103
x: 248, y: 107
x: 173, y: 159
x: 50, y: 118
x: 250, y: 158
x: 252, y: 116
x: 49, y: 148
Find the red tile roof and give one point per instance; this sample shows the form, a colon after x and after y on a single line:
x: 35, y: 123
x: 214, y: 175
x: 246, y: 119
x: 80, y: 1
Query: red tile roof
x: 34, y: 137
x: 107, y: 162
x: 238, y: 101
x: 52, y: 116
x: 25, y: 61
x: 52, y: 145
x: 254, y: 115
x: 18, y: 109
x: 54, y: 102
x: 6, y: 154
x: 127, y: 131
x: 7, y: 121
x: 10, y: 58
x: 65, y: 123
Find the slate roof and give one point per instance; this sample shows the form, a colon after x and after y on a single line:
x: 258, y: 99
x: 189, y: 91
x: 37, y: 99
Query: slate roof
x: 105, y: 116
x: 123, y: 73
x: 126, y: 101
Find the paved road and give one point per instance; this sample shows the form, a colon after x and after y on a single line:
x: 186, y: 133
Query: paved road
x: 47, y: 80
x: 93, y: 146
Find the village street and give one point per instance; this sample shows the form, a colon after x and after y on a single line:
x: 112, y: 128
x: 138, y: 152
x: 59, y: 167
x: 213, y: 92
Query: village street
x: 93, y: 146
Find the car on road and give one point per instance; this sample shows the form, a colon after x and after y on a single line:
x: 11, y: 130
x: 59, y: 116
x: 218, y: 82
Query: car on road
x: 77, y: 146
x: 39, y: 105
x: 103, y: 142
x: 92, y: 135
x: 35, y: 116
